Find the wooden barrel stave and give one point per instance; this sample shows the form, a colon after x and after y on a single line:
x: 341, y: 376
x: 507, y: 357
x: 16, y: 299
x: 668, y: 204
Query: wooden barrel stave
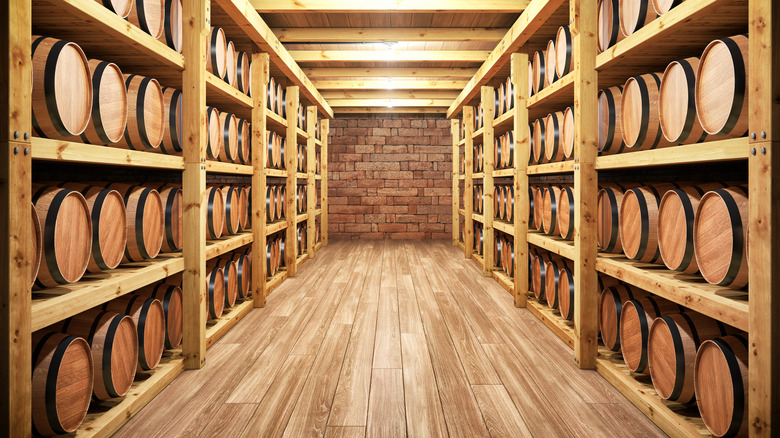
x: 172, y: 34
x: 145, y: 114
x: 149, y: 318
x: 229, y: 277
x: 722, y: 91
x: 172, y: 202
x: 610, y: 308
x: 119, y: 7
x: 149, y: 16
x: 640, y: 118
x: 609, y: 32
x: 565, y: 213
x: 636, y: 318
x: 216, y: 62
x: 677, y: 103
x: 639, y: 221
x: 145, y: 221
x: 109, y: 104
x: 635, y: 14
x: 215, y: 133
x: 170, y: 295
x: 563, y: 51
x: 215, y: 217
x: 174, y: 135
x: 610, y: 121
x: 215, y: 288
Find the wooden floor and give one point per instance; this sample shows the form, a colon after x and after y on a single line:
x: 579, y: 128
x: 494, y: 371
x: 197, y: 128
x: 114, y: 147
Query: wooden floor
x: 389, y: 338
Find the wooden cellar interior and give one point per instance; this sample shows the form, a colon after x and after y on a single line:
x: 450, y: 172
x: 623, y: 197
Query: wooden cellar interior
x: 613, y: 168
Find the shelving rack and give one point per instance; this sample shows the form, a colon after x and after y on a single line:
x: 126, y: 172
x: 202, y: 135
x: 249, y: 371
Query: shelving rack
x: 99, y: 32
x: 682, y: 32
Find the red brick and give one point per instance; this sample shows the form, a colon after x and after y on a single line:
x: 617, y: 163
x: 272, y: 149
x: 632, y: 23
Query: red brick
x: 375, y: 218
x: 394, y: 157
x: 391, y: 149
x: 371, y: 183
x: 394, y: 175
x: 419, y: 123
x: 393, y: 208
x: 407, y: 218
x: 392, y: 228
x: 375, y: 140
x: 353, y: 209
x: 365, y: 149
x: 409, y: 132
x: 377, y: 166
x: 422, y: 165
x: 341, y: 218
x: 398, y: 192
x: 392, y: 123
x: 373, y: 200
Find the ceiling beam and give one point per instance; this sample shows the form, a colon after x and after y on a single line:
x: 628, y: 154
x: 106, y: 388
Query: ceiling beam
x: 371, y: 72
x: 408, y: 110
x: 389, y: 55
x: 429, y: 6
x: 337, y: 103
x: 389, y: 94
x: 387, y: 34
x: 408, y: 84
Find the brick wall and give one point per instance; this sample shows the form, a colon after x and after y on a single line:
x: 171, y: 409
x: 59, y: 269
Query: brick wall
x: 390, y: 177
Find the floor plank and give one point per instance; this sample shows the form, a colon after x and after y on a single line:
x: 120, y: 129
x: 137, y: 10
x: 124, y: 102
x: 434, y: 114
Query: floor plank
x: 387, y: 344
x: 345, y: 432
x: 386, y: 405
x: 424, y: 415
x: 230, y: 420
x: 501, y: 415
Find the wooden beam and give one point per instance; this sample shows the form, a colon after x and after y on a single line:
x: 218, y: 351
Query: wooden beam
x: 259, y: 95
x: 324, y: 131
x: 394, y: 110
x: 378, y: 84
x: 291, y: 158
x: 389, y: 94
x: 349, y: 6
x: 519, y: 65
x: 336, y: 103
x: 526, y: 25
x: 371, y: 72
x: 382, y: 34
x: 389, y: 55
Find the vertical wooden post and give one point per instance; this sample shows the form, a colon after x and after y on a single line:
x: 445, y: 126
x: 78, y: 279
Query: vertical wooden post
x: 455, y: 130
x: 519, y: 68
x: 468, y: 193
x: 764, y: 228
x: 196, y: 28
x: 291, y: 155
x: 259, y: 73
x: 489, y: 111
x: 324, y: 130
x: 584, y: 21
x: 15, y: 228
x: 311, y: 189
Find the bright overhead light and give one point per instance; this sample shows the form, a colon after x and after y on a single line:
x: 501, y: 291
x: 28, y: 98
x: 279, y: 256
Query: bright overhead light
x: 389, y: 103
x: 389, y: 84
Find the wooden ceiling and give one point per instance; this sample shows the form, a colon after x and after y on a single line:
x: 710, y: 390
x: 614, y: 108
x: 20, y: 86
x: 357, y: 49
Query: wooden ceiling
x: 390, y: 55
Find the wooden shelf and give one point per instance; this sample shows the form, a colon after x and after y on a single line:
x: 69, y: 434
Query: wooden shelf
x: 278, y: 173
x: 726, y: 305
x: 215, y: 248
x: 503, y: 172
x: 462, y: 142
x: 462, y: 177
x: 504, y: 280
x: 274, y: 282
x: 673, y: 418
x: 227, y: 98
x: 114, y: 413
x: 50, y: 306
x: 708, y: 152
x: 318, y: 212
x: 682, y: 32
x: 302, y: 135
x: 318, y: 177
x: 476, y: 136
x: 301, y: 258
x: 478, y: 218
x: 547, y: 168
x: 461, y: 212
x: 301, y: 218
x: 217, y: 329
x: 551, y: 318
x: 555, y: 97
x: 504, y: 226
x: 275, y: 122
x: 219, y: 167
x: 275, y: 227
x: 478, y: 175
x: 504, y: 123
x: 461, y: 246
x: 479, y: 259
x: 563, y: 248
x: 318, y: 245
x: 301, y: 175
x: 58, y: 150
x: 317, y: 142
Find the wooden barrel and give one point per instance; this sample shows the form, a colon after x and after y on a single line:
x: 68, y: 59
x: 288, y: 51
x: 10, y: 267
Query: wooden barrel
x: 661, y: 7
x: 215, y: 133
x: 635, y: 320
x: 553, y: 137
x: 270, y: 203
x: 244, y: 273
x: 270, y: 101
x: 270, y: 270
x: 510, y: 93
x: 538, y: 274
x: 672, y: 347
x: 66, y: 227
x: 36, y: 247
x: 498, y: 255
x: 677, y: 103
x: 566, y: 293
x: 215, y: 287
x: 149, y: 16
x: 215, y: 217
x: 567, y: 133
x: 281, y: 204
x: 243, y: 72
x: 641, y: 116
x: 530, y: 144
x: 509, y: 146
x: 479, y: 240
x: 609, y: 24
x: 109, y: 104
x: 302, y: 245
x: 145, y: 114
x: 301, y: 159
x: 509, y: 203
x: 538, y: 207
x: 174, y: 136
x: 530, y: 78
x: 216, y: 59
x: 230, y: 64
x: 281, y: 151
x: 721, y: 88
x: 609, y: 201
x: 538, y: 70
x: 62, y: 379
x: 171, y: 197
x: 232, y: 210
x: 610, y: 121
x: 563, y: 51
x: 229, y: 277
x: 635, y: 14
x: 228, y: 152
x: 553, y: 271
x: 119, y: 7
x: 566, y: 213
x: 721, y: 383
x: 244, y: 141
x: 676, y: 216
x: 281, y: 100
x: 268, y: 155
x: 539, y: 141
x: 551, y: 198
x: 611, y: 302
x: 172, y: 25
x: 550, y: 67
x: 109, y: 225
x: 243, y: 208
x: 61, y: 88
x: 149, y: 318
x: 114, y: 345
x: 170, y: 296
x: 720, y: 237
x: 498, y: 143
x: 639, y: 221
x: 145, y: 221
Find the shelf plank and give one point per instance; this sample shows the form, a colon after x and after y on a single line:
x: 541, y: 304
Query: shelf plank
x: 217, y: 329
x: 318, y: 177
x: 318, y: 212
x: 50, y: 306
x: 547, y: 168
x: 555, y: 97
x: 302, y: 258
x: 114, y: 413
x: 302, y: 135
x: 551, y: 318
x: 275, y: 227
x: 672, y: 418
x: 504, y: 226
x: 275, y: 122
x: 504, y: 280
x: 225, y: 97
x: 318, y: 245
x: 708, y: 152
x: 462, y: 246
x: 461, y: 212
x: 317, y: 142
x: 278, y: 173
x: 726, y: 305
x: 504, y: 122
x: 478, y: 175
x: 478, y: 218
x: 563, y: 248
x: 301, y: 217
x: 503, y: 173
x: 275, y: 281
x: 462, y: 142
x: 59, y: 150
x: 301, y: 175
x: 477, y: 135
x: 215, y: 248
x: 219, y: 167
x: 479, y: 259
